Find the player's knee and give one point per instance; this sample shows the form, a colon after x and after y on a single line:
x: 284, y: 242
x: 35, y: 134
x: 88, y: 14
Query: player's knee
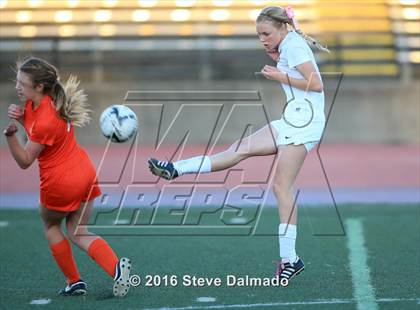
x: 49, y: 225
x: 52, y: 231
x: 281, y: 189
x: 76, y: 235
x: 77, y: 240
x: 71, y: 234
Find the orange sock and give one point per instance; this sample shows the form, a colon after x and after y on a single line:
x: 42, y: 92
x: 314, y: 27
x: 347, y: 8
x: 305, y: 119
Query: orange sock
x: 103, y: 255
x: 64, y: 257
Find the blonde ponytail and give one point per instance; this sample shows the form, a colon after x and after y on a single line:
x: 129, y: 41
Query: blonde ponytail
x: 71, y: 103
x: 312, y: 42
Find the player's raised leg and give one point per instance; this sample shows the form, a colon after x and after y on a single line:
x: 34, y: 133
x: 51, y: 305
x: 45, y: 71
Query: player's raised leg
x: 98, y: 249
x: 290, y: 161
x: 260, y: 143
x: 62, y: 251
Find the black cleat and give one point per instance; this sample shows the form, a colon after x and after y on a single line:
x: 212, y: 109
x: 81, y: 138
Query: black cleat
x: 164, y: 169
x: 74, y: 289
x: 286, y: 271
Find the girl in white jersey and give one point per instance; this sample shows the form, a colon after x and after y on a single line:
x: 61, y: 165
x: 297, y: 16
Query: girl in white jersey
x: 296, y: 133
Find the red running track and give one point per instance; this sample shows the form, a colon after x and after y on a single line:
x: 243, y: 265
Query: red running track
x: 361, y: 166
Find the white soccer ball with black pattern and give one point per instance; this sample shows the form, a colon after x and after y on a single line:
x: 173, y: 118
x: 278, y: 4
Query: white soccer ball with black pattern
x: 118, y: 123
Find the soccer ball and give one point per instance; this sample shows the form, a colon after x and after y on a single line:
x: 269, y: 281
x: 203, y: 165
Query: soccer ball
x: 118, y: 123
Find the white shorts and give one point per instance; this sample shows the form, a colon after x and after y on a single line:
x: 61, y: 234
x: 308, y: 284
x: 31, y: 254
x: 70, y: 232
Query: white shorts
x: 308, y: 135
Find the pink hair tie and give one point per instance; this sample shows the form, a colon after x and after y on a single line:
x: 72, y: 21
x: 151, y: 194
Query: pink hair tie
x: 291, y: 14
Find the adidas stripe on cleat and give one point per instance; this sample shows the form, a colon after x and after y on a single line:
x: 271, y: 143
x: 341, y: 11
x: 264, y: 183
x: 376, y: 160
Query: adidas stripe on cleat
x: 122, y: 277
x: 286, y: 270
x: 164, y: 169
x: 74, y: 289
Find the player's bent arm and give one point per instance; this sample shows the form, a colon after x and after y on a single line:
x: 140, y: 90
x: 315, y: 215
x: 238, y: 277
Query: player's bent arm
x: 301, y: 84
x: 311, y: 82
x: 312, y: 78
x: 24, y: 156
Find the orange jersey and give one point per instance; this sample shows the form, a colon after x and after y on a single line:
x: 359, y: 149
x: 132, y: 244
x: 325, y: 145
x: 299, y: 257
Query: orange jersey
x: 67, y: 175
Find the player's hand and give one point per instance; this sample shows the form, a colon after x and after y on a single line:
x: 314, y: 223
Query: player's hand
x: 272, y: 73
x: 273, y: 54
x: 10, y: 130
x: 15, y: 112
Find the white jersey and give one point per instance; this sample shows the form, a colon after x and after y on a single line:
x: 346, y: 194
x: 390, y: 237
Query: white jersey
x: 294, y: 51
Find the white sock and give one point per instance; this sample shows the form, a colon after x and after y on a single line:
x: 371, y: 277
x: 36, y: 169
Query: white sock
x: 287, y: 241
x: 198, y: 164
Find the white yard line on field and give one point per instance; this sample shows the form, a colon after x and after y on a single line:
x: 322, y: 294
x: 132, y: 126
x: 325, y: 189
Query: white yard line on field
x: 4, y: 223
x: 364, y: 293
x: 206, y: 299
x: 284, y: 304
x: 40, y: 302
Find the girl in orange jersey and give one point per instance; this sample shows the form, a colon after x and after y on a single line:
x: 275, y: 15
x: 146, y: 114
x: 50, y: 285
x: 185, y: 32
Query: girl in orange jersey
x: 68, y: 178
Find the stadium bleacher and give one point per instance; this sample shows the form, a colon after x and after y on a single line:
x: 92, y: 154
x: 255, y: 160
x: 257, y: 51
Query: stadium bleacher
x: 130, y: 37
